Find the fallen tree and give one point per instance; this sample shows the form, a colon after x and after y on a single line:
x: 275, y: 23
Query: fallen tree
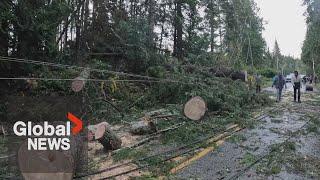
x: 222, y: 72
x: 144, y: 126
x: 229, y: 73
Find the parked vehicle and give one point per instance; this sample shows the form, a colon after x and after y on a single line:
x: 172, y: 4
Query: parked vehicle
x: 289, y: 78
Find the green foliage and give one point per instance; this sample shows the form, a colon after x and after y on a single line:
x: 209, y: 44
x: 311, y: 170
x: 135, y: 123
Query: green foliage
x: 156, y: 71
x: 221, y: 95
x: 311, y: 45
x: 267, y: 72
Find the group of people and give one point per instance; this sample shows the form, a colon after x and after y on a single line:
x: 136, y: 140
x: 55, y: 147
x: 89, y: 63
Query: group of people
x: 279, y: 82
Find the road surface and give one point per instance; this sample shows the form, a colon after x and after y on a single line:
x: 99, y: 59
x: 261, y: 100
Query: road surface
x: 284, y: 144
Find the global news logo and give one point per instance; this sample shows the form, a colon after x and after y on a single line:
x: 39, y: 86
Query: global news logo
x: 47, y: 136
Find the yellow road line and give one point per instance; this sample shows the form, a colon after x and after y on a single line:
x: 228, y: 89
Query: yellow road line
x: 196, y: 157
x: 205, y: 151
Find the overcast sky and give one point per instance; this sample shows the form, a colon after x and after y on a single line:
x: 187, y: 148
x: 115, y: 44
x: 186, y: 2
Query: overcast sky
x: 284, y: 22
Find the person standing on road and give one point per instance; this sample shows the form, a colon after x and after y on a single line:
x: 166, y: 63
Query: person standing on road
x: 258, y: 83
x: 297, y: 85
x: 279, y: 83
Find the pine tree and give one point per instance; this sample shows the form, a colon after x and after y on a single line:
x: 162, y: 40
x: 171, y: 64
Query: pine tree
x: 277, y: 54
x: 311, y: 45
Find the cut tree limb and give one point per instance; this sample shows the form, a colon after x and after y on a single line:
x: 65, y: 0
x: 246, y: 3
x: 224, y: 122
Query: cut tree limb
x: 153, y: 136
x: 144, y: 126
x: 195, y: 108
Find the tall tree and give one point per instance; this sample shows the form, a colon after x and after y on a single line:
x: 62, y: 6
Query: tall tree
x: 178, y: 30
x: 311, y: 45
x: 213, y: 18
x: 276, y: 54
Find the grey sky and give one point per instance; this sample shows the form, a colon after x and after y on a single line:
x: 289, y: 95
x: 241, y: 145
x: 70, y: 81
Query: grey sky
x: 285, y: 22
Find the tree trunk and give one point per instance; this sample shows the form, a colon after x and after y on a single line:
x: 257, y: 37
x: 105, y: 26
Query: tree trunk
x: 142, y: 127
x: 151, y: 23
x: 178, y: 49
x: 102, y: 133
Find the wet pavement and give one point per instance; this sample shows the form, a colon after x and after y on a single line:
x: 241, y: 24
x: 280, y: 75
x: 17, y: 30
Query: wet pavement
x: 287, y: 122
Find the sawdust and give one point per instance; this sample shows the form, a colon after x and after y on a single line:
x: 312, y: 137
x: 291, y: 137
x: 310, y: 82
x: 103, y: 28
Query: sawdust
x: 104, y: 159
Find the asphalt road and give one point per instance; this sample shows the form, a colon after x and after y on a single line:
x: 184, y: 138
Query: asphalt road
x: 232, y: 157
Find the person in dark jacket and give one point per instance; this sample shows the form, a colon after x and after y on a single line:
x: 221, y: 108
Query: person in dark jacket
x: 279, y: 83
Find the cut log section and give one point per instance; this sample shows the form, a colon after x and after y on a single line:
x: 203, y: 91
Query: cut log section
x: 195, y: 108
x: 142, y: 127
x: 80, y: 81
x: 51, y: 164
x: 102, y: 133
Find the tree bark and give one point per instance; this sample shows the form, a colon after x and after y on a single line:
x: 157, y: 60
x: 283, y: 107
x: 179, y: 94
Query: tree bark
x: 142, y: 127
x: 151, y: 23
x: 102, y: 133
x: 178, y: 49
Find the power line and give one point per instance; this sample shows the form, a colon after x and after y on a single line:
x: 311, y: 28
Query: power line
x: 93, y: 80
x: 19, y: 60
x: 27, y: 61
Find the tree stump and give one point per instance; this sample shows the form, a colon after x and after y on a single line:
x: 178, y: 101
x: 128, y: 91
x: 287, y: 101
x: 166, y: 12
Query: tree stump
x: 102, y: 133
x: 195, y: 108
x: 51, y: 164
